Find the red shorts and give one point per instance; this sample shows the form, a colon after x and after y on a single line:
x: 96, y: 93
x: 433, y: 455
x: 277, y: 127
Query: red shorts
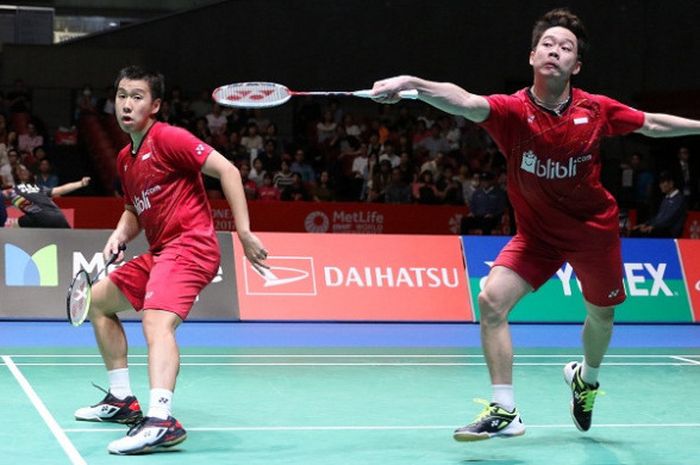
x: 599, y: 271
x: 168, y: 281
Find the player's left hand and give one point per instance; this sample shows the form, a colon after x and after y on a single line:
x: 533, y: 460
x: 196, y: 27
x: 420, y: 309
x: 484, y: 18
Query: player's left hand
x: 254, y: 250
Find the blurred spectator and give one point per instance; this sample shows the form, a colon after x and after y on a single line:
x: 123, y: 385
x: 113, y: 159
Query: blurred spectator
x: 637, y: 182
x: 249, y: 186
x: 434, y: 143
x: 296, y: 191
x: 469, y: 183
x: 13, y: 160
x: 166, y: 113
x: 325, y: 129
x: 6, y: 178
x: 687, y: 171
x: 201, y: 105
x: 106, y: 104
x: 252, y: 140
x: 236, y: 151
x: 4, y: 131
x: 670, y: 218
x: 257, y: 172
x: 487, y: 207
x: 19, y: 99
x: 424, y: 190
x: 381, y: 178
x: 29, y: 141
x: 360, y: 172
x: 449, y: 187
x: 268, y: 191
x: 85, y: 102
x: 350, y: 126
x: 389, y: 154
x: 398, y: 191
x: 283, y: 177
x: 201, y: 130
x: 46, y: 177
x: 300, y: 166
x: 322, y: 191
x: 216, y: 121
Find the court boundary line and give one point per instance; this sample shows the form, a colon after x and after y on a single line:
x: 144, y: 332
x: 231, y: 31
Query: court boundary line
x: 60, y: 435
x: 386, y: 427
x: 683, y: 358
x: 608, y: 356
x: 354, y: 364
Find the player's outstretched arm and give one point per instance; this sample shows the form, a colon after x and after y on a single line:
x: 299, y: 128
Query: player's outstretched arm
x: 445, y: 96
x: 219, y: 167
x: 662, y: 125
x: 70, y: 187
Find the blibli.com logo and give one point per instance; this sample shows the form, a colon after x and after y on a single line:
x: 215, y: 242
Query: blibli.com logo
x: 551, y: 169
x: 39, y: 269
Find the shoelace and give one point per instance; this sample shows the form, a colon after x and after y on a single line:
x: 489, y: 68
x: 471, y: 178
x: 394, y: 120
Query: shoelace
x: 488, y: 409
x: 136, y: 427
x: 587, y: 394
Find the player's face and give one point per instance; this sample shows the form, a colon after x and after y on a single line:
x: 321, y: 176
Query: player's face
x: 135, y: 106
x: 556, y: 54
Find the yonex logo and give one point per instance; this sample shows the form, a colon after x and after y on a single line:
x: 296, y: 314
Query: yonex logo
x: 199, y: 149
x: 39, y: 269
x: 614, y: 294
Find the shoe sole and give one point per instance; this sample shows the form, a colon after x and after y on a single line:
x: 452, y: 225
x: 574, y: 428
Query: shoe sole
x: 123, y: 421
x: 151, y: 449
x: 485, y: 436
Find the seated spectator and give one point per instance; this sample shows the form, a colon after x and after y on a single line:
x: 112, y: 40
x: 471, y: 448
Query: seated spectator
x: 252, y: 140
x: 216, y: 121
x: 45, y: 176
x: 6, y: 178
x: 449, y: 187
x: 249, y: 186
x: 284, y: 177
x: 86, y: 102
x: 670, y: 218
x: 299, y: 165
x: 202, y: 132
x: 381, y: 179
x: 325, y: 129
x: 268, y: 191
x: 29, y: 141
x: 489, y: 202
x: 257, y: 172
x: 389, y: 154
x: 322, y: 191
x: 296, y: 191
x: 424, y: 190
x: 398, y: 191
x: 35, y: 202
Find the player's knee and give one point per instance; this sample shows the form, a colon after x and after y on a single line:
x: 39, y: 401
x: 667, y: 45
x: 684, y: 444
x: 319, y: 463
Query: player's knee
x: 491, y: 307
x: 156, y: 327
x: 602, y: 316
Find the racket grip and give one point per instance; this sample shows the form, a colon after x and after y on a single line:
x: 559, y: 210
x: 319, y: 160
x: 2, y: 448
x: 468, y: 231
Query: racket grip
x: 404, y: 94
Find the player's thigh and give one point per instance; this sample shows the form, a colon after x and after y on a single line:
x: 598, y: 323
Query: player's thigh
x: 600, y: 273
x: 503, y: 288
x: 107, y: 298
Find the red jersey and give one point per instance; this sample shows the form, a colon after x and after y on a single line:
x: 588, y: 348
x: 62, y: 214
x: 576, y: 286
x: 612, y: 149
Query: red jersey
x: 163, y: 182
x: 553, y: 164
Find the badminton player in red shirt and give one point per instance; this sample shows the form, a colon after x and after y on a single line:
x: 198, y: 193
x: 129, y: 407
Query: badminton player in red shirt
x: 550, y: 134
x: 164, y: 196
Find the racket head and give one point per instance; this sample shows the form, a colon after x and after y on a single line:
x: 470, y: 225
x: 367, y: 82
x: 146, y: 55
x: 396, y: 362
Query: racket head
x: 79, y: 298
x: 251, y: 95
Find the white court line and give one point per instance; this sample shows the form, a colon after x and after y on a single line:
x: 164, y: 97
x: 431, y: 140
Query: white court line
x: 680, y: 357
x: 355, y: 356
x: 357, y: 364
x: 66, y: 444
x: 389, y: 428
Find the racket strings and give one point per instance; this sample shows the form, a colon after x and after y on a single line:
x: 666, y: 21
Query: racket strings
x: 251, y: 93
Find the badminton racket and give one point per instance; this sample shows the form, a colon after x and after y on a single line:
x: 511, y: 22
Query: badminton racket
x: 80, y: 291
x: 269, y: 94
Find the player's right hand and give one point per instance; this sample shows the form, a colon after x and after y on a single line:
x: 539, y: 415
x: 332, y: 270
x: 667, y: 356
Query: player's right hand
x: 114, y: 246
x: 387, y: 90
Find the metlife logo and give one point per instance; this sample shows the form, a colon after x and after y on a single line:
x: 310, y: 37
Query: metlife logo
x: 39, y: 269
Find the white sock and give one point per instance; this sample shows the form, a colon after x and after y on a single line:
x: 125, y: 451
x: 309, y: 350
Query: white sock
x: 589, y: 375
x: 119, y: 384
x: 161, y: 405
x: 503, y: 395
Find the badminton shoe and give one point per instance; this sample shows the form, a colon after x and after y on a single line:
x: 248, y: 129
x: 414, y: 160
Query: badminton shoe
x: 149, y: 435
x: 111, y: 409
x: 493, y: 421
x: 583, y: 396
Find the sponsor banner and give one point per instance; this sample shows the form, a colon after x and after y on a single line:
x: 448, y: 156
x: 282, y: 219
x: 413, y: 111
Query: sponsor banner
x: 37, y: 266
x: 13, y: 215
x: 690, y: 257
x: 355, y: 277
x: 691, y: 230
x: 652, y: 279
x: 326, y: 217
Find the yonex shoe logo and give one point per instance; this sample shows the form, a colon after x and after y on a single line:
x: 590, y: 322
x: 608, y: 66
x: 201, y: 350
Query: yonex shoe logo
x: 614, y: 294
x: 39, y: 269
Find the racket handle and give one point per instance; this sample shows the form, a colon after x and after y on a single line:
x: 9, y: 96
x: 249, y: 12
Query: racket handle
x: 405, y: 94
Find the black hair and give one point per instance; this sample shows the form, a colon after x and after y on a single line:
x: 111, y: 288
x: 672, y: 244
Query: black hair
x: 155, y: 80
x: 564, y: 18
